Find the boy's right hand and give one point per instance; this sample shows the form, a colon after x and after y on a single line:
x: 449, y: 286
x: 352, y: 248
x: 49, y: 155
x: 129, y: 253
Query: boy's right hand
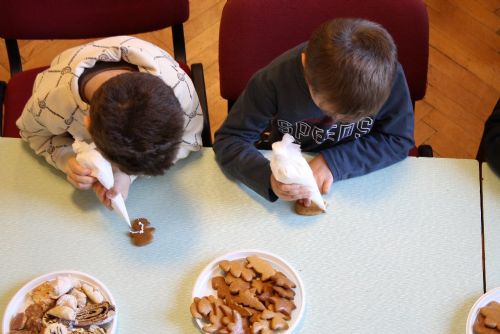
x: 289, y: 192
x: 77, y: 175
x: 121, y: 185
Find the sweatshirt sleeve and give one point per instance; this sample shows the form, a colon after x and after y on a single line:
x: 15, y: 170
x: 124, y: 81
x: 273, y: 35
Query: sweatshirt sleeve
x: 492, y: 140
x: 56, y: 149
x: 234, y: 141
x: 388, y: 142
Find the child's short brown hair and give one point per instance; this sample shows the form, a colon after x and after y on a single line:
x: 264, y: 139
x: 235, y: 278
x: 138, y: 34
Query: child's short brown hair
x: 351, y: 64
x: 136, y: 121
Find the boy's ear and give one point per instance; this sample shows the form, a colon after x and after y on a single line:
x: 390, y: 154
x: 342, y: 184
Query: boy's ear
x: 303, y: 57
x: 86, y: 122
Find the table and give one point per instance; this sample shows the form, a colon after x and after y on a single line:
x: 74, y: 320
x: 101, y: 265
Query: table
x: 398, y: 251
x: 491, y: 218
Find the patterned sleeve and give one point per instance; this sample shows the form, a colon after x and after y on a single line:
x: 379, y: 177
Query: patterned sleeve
x: 56, y: 149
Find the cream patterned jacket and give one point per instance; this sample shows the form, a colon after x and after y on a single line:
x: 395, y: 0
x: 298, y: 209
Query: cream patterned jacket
x: 53, y: 116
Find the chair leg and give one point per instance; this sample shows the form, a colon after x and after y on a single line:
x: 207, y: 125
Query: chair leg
x: 199, y: 85
x: 179, y: 43
x: 3, y: 87
x: 425, y: 151
x: 14, y: 56
x: 480, y: 151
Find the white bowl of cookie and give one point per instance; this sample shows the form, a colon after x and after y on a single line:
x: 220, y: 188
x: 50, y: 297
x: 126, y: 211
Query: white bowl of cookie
x: 248, y: 289
x: 484, y: 316
x: 61, y: 302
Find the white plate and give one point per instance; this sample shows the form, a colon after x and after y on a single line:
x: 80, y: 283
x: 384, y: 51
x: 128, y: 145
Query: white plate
x: 203, y: 285
x: 492, y: 295
x: 21, y: 300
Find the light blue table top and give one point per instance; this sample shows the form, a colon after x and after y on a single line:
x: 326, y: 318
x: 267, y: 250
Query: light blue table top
x: 491, y: 217
x: 399, y: 250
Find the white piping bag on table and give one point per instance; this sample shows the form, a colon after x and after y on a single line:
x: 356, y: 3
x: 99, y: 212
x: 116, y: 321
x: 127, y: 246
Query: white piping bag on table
x: 89, y: 157
x: 289, y: 166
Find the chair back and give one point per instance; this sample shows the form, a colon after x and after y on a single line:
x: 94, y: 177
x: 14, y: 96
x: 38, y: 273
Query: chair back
x: 252, y: 33
x: 62, y: 19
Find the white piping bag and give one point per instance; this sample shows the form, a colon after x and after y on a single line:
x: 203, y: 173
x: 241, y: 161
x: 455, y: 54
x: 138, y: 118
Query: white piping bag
x: 89, y: 157
x: 289, y: 166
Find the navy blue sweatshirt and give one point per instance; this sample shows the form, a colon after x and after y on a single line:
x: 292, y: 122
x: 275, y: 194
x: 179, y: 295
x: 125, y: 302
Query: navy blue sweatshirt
x: 278, y: 94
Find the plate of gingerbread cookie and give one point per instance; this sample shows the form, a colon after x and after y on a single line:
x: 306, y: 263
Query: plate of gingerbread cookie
x: 61, y: 302
x: 484, y: 316
x: 248, y: 291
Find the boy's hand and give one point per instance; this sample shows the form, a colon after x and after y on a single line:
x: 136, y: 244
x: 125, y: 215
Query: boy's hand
x: 77, y: 175
x: 289, y: 192
x: 100, y: 192
x: 122, y: 185
x: 322, y: 174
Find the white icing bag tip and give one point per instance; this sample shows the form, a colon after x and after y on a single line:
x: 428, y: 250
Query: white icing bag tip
x: 118, y: 205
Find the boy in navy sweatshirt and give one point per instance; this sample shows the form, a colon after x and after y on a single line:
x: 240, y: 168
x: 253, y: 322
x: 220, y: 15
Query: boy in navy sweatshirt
x: 342, y: 94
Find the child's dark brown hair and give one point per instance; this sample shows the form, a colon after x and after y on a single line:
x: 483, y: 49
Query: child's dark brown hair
x: 351, y: 64
x: 137, y: 122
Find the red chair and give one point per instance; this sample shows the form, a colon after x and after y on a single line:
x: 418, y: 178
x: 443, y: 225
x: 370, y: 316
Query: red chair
x: 253, y: 33
x: 30, y: 19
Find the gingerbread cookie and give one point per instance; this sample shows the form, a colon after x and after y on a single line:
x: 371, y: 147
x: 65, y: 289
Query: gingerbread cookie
x: 236, y: 284
x: 285, y: 293
x: 142, y: 232
x: 200, y: 307
x: 248, y: 298
x: 311, y: 210
x: 18, y: 321
x: 220, y: 285
x: 236, y: 325
x: 278, y: 322
x: 261, y: 266
x: 281, y: 280
x: 488, y: 319
x: 237, y: 268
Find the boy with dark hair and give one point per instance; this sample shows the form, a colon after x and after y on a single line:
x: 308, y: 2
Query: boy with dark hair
x: 342, y: 94
x: 120, y: 104
x: 128, y: 96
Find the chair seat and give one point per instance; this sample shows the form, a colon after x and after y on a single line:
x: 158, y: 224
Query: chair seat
x: 413, y: 152
x: 18, y: 92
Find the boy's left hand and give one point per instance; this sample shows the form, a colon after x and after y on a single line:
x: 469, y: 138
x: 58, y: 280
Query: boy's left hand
x: 122, y: 185
x: 322, y: 173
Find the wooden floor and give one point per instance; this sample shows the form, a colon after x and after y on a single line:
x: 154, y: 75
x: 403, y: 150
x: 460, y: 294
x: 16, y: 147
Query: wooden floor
x: 464, y: 69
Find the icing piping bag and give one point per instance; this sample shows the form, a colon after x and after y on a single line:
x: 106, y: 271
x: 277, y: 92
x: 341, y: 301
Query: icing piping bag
x: 289, y: 166
x: 89, y: 157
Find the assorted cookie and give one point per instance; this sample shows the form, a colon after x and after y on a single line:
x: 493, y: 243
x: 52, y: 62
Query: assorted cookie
x: 64, y: 305
x: 252, y: 298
